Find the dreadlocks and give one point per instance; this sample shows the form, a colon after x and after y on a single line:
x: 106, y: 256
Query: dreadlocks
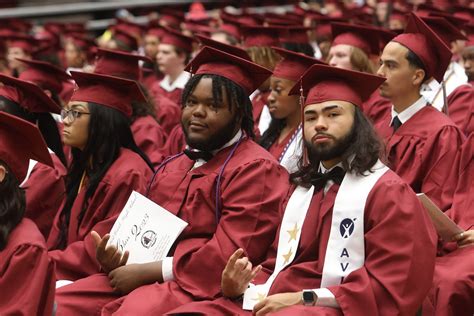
x: 236, y: 97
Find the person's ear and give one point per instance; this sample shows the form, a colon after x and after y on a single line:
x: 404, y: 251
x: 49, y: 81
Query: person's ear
x: 418, y: 76
x: 3, y: 173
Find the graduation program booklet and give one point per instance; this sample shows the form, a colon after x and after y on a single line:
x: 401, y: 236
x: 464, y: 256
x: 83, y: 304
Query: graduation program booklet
x: 445, y: 227
x: 145, y: 229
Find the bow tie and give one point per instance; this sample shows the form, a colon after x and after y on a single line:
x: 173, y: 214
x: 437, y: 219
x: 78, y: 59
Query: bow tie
x: 197, y: 154
x: 320, y: 179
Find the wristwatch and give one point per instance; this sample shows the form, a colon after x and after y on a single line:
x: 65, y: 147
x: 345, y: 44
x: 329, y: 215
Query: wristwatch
x: 309, y: 298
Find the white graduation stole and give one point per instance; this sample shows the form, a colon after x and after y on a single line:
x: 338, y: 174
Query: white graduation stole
x: 293, y: 153
x: 345, y: 250
x: 32, y: 163
x: 288, y: 240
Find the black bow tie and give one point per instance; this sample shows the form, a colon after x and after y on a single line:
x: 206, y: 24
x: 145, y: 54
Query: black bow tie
x: 319, y: 180
x: 197, y: 154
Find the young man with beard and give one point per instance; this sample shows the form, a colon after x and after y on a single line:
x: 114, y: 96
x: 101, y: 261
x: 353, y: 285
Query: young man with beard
x: 422, y: 143
x: 225, y: 186
x: 346, y: 244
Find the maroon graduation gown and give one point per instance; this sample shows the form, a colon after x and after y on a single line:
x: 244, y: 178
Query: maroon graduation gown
x: 149, y: 137
x: 176, y: 142
x: 174, y: 95
x: 452, y: 292
x: 168, y: 113
x: 461, y: 107
x: 128, y: 172
x: 252, y: 189
x: 376, y: 107
x: 399, y: 258
x: 45, y: 191
x: 423, y: 152
x: 27, y: 278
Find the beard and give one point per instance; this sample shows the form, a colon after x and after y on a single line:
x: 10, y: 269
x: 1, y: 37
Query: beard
x: 214, y: 141
x: 324, y: 152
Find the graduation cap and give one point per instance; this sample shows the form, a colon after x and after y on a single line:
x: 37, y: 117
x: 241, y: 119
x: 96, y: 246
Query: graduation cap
x: 156, y: 30
x: 243, y: 72
x: 197, y: 12
x: 21, y: 141
x: 28, y: 95
x: 171, y: 17
x: 122, y: 35
x: 458, y: 22
x: 175, y: 38
x: 25, y: 42
x: 322, y: 83
x: 230, y: 29
x: 294, y: 34
x: 109, y: 91
x: 293, y: 65
x: 118, y: 63
x: 261, y: 35
x: 44, y: 74
x: 196, y: 28
x: 80, y: 41
x: 130, y: 27
x: 444, y: 29
x: 363, y: 37
x: 432, y: 51
x: 234, y: 50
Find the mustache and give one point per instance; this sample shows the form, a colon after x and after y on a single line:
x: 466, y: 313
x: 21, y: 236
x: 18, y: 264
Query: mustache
x: 321, y: 134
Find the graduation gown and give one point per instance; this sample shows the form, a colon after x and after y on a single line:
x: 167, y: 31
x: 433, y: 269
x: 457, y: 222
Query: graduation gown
x: 174, y: 95
x: 376, y: 107
x: 168, y: 113
x: 423, y: 152
x: 26, y: 273
x: 253, y: 186
x: 45, y: 191
x: 175, y: 142
x: 461, y: 107
x: 399, y: 258
x: 452, y: 291
x: 249, y: 218
x: 149, y: 137
x: 128, y: 172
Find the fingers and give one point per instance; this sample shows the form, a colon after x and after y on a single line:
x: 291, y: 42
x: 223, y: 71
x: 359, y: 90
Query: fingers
x: 124, y: 258
x: 96, y: 238
x: 257, y: 307
x: 104, y: 241
x: 233, y: 258
x: 252, y: 274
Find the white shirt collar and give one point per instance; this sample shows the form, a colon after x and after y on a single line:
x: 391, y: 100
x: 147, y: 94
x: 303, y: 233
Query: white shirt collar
x: 180, y: 82
x: 234, y: 139
x: 406, y: 114
x: 323, y: 169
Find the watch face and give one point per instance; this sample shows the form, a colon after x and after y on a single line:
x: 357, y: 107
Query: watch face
x: 308, y: 297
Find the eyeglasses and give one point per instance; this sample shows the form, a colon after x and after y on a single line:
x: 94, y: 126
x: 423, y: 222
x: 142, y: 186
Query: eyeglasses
x: 72, y: 115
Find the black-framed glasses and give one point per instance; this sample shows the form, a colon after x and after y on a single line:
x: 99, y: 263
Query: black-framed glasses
x: 72, y: 115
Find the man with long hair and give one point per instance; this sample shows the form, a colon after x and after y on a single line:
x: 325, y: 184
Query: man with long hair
x: 346, y: 244
x: 224, y: 185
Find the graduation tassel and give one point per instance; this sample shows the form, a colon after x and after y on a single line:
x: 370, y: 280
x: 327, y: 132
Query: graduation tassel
x: 445, y: 98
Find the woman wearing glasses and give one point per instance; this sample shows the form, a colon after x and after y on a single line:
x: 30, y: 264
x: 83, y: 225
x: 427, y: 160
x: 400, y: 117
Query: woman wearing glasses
x: 106, y: 167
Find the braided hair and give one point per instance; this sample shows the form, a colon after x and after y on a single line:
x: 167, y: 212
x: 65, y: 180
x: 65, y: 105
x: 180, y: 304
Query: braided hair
x: 237, y: 97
